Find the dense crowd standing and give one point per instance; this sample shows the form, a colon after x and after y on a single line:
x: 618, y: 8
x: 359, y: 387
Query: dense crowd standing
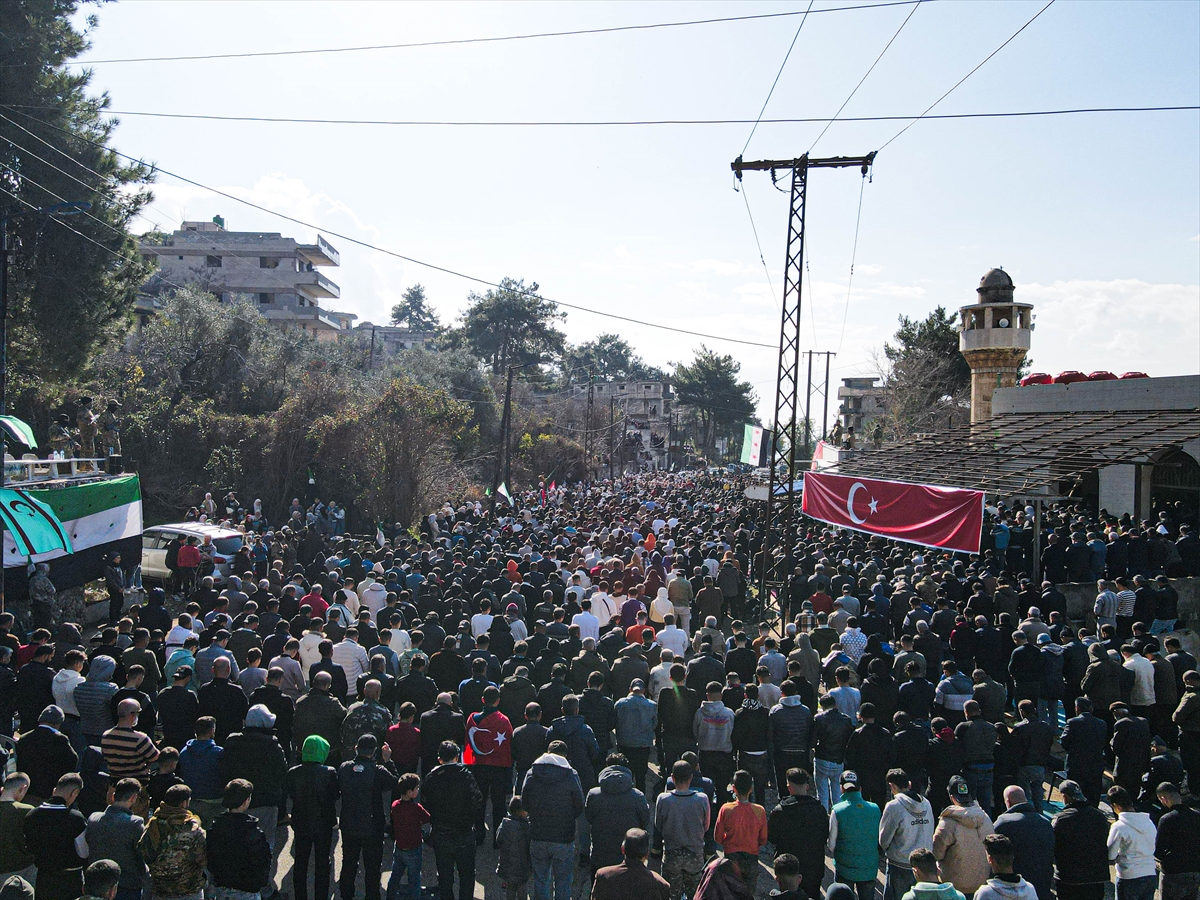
x: 582, y: 663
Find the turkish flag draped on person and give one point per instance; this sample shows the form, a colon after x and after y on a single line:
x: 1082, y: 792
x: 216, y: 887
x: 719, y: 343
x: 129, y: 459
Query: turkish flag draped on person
x: 949, y: 518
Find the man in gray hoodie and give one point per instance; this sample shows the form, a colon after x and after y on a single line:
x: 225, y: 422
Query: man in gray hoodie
x: 713, y: 727
x: 907, y: 824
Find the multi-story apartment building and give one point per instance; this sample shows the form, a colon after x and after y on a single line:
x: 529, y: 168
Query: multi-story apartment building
x: 278, y: 273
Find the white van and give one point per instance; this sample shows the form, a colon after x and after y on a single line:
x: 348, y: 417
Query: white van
x: 226, y: 542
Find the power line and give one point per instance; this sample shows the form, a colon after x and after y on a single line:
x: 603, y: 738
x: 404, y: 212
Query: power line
x: 969, y: 74
x: 853, y: 256
x: 483, y: 40
x: 393, y: 253
x: 614, y: 123
x: 783, y: 64
x: 864, y: 78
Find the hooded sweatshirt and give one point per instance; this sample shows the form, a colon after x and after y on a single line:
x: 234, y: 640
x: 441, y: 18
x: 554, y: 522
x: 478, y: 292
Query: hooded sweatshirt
x: 1131, y: 845
x: 907, y: 824
x: 63, y: 686
x: 958, y: 846
x: 713, y: 726
x: 1006, y: 887
x: 929, y: 890
x: 93, y: 696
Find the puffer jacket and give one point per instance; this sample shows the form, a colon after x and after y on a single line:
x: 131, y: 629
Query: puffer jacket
x: 954, y: 691
x: 255, y: 755
x: 513, y: 865
x: 958, y: 846
x: 1052, y: 671
x: 92, y: 698
x: 791, y: 726
x: 612, y: 809
x: 319, y: 712
x: 637, y: 719
x: 553, y: 798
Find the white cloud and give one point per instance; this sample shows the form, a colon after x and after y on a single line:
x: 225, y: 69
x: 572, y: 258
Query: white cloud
x: 1122, y: 325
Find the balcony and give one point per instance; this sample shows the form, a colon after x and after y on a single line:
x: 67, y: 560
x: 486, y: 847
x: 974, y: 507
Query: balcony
x: 315, y: 285
x: 321, y: 253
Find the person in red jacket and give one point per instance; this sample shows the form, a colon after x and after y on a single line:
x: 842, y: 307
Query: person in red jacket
x: 489, y: 754
x: 741, y: 828
x: 189, y: 565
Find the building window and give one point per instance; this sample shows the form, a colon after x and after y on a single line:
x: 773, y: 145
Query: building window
x: 266, y: 298
x: 268, y: 262
x: 181, y: 257
x: 213, y: 262
x: 622, y: 387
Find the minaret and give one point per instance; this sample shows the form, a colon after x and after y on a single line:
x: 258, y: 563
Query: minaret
x: 993, y: 337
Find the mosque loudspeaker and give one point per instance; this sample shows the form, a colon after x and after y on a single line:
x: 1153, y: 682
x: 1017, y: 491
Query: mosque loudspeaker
x: 116, y: 464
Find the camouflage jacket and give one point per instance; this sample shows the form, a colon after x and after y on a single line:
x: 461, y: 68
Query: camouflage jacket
x: 173, y: 847
x: 365, y: 717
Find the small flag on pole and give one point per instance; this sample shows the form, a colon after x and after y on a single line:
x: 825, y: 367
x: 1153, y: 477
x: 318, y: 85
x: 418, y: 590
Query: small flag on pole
x: 379, y: 538
x: 503, y: 492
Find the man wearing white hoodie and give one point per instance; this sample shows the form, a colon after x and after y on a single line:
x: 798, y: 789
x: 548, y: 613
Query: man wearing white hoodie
x: 906, y: 825
x: 1003, y: 885
x: 1131, y: 847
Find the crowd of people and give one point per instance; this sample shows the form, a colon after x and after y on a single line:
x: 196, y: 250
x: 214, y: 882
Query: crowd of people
x: 585, y: 682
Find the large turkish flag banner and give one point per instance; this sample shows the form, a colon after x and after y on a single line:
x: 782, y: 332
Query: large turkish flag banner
x: 949, y: 518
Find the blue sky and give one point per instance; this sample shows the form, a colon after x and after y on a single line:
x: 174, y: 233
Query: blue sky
x: 1096, y: 217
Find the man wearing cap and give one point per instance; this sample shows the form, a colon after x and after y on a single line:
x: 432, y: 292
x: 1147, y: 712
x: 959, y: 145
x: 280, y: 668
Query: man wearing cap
x: 958, y: 839
x: 1177, y: 845
x: 854, y: 839
x: 1080, y: 846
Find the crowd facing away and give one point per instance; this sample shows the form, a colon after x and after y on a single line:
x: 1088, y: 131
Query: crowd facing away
x: 577, y: 681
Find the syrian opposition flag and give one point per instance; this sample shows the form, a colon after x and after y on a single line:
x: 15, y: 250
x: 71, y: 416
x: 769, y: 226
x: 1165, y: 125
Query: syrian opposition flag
x: 489, y: 740
x: 503, y: 492
x: 947, y: 518
x: 97, y: 518
x: 31, y: 525
x: 379, y: 538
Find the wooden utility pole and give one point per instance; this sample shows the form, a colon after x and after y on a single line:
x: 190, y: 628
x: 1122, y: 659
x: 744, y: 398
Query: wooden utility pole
x: 587, y: 428
x: 612, y: 424
x: 502, y: 453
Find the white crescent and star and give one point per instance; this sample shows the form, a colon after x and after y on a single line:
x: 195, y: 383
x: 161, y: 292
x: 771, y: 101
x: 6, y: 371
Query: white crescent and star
x: 873, y: 505
x: 498, y: 738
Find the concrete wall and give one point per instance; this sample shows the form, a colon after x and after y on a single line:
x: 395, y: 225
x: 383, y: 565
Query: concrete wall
x: 1081, y: 599
x: 1176, y: 392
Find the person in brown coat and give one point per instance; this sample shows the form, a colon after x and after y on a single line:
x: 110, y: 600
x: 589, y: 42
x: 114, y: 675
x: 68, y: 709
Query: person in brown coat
x: 958, y: 840
x: 632, y: 878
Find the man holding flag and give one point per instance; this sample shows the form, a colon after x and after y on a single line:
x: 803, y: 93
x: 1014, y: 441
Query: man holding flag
x: 489, y: 754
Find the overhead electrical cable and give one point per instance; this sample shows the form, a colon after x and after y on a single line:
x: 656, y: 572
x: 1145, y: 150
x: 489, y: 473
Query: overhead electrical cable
x: 387, y: 252
x: 616, y: 123
x: 864, y: 78
x: 484, y: 40
x: 774, y: 83
x: 1011, y: 38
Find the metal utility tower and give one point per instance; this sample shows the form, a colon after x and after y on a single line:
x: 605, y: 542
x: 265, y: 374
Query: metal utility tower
x: 783, y: 508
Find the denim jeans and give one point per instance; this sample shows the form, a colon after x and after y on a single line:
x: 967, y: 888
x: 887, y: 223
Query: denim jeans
x: 1182, y: 886
x: 898, y: 881
x: 1162, y: 626
x: 1137, y: 888
x: 553, y: 863
x: 1033, y: 780
x: 829, y: 782
x: 268, y: 821
x: 980, y: 781
x: 405, y: 861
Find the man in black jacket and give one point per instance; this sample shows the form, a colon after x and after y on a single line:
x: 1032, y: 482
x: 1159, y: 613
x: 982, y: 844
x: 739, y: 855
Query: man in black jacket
x: 1032, y: 739
x: 178, y: 710
x: 416, y: 687
x: 314, y: 789
x: 677, y: 706
x: 255, y: 756
x: 45, y: 754
x: 223, y: 700
x: 239, y: 853
x: 869, y: 753
x: 1131, y: 748
x: 1084, y: 739
x: 831, y: 732
x: 1025, y: 667
x: 800, y: 825
x: 1177, y: 845
x: 34, y: 690
x: 1080, y: 847
x: 363, y: 784
x: 440, y: 724
x: 453, y: 800
x: 528, y: 742
x: 751, y: 741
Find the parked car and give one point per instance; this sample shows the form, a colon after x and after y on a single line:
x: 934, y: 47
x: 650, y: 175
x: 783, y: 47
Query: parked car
x: 226, y: 542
